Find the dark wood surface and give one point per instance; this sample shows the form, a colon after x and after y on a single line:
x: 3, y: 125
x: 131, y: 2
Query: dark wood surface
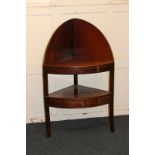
x: 78, y: 92
x: 78, y: 47
x: 77, y: 96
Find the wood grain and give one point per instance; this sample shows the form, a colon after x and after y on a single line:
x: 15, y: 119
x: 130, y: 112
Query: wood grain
x: 78, y: 47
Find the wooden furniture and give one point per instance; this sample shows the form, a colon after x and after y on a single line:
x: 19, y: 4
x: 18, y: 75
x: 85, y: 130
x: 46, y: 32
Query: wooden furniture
x: 78, y: 47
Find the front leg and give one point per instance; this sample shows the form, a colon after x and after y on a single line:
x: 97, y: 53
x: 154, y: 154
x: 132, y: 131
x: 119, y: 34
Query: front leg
x: 47, y: 121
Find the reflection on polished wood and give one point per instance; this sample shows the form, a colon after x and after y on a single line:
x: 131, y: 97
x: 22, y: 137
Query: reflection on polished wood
x: 78, y: 47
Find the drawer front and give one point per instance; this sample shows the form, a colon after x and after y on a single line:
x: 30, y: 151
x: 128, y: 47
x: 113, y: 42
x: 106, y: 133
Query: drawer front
x: 62, y: 103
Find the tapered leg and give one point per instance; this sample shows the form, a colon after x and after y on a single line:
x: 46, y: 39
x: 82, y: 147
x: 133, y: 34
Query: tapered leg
x: 111, y: 116
x: 47, y: 121
x: 111, y: 104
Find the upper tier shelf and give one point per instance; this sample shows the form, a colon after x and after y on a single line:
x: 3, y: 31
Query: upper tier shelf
x: 77, y: 47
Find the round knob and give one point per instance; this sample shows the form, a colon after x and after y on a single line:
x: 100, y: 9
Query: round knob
x: 81, y: 103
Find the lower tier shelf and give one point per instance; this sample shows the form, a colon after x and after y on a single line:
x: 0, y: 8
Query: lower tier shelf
x: 77, y: 96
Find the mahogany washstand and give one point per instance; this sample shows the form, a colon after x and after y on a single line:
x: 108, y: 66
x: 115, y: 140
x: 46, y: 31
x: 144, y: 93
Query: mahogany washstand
x: 78, y: 47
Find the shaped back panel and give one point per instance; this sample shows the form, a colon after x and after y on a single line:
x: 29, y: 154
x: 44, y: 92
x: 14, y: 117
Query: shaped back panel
x: 77, y: 43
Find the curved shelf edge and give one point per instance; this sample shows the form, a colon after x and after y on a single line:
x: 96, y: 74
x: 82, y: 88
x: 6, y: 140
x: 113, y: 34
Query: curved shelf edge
x: 78, y: 70
x: 77, y: 96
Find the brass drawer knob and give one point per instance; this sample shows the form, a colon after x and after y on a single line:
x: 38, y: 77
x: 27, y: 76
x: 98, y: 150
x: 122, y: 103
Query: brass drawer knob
x: 82, y: 104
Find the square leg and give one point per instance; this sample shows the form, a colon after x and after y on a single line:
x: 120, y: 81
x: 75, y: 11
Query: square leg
x: 111, y: 116
x: 47, y: 121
